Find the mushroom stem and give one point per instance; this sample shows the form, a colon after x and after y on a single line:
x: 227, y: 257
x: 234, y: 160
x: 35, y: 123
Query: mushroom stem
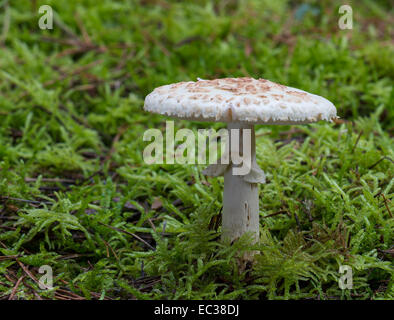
x: 240, y: 197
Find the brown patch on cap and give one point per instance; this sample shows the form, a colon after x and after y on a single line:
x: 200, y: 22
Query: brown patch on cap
x: 227, y: 88
x: 296, y: 93
x: 202, y: 83
x: 218, y: 98
x: 277, y: 97
x: 264, y: 87
x: 240, y: 91
x: 247, y: 101
x: 198, y: 90
x: 230, y: 80
x: 195, y: 97
x: 248, y: 79
x: 292, y: 99
x: 281, y: 86
x: 251, y: 88
x: 178, y: 84
x: 300, y: 95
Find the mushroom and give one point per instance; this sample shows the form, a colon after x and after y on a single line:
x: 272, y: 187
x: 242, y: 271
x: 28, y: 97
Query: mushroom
x: 241, y: 103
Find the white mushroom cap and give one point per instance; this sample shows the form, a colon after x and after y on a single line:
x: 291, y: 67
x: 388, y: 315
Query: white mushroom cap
x: 239, y: 100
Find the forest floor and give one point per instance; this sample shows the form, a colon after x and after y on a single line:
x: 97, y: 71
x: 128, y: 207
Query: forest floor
x: 77, y: 197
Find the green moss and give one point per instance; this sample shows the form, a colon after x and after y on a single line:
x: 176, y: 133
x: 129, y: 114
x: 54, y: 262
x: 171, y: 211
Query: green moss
x: 76, y: 194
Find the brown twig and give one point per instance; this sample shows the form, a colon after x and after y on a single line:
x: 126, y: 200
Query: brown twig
x: 129, y: 233
x: 27, y: 271
x: 81, y: 27
x: 358, y: 139
x: 263, y: 134
x: 83, y: 48
x: 32, y: 289
x: 24, y: 200
x: 385, y: 200
x: 380, y: 160
x: 72, y: 256
x: 94, y: 294
x: 14, y: 290
x: 112, y: 250
x: 71, y: 295
x: 2, y: 258
x: 275, y: 213
x: 64, y: 27
x: 156, y: 42
x: 151, y: 224
x: 75, y: 72
x: 188, y: 40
